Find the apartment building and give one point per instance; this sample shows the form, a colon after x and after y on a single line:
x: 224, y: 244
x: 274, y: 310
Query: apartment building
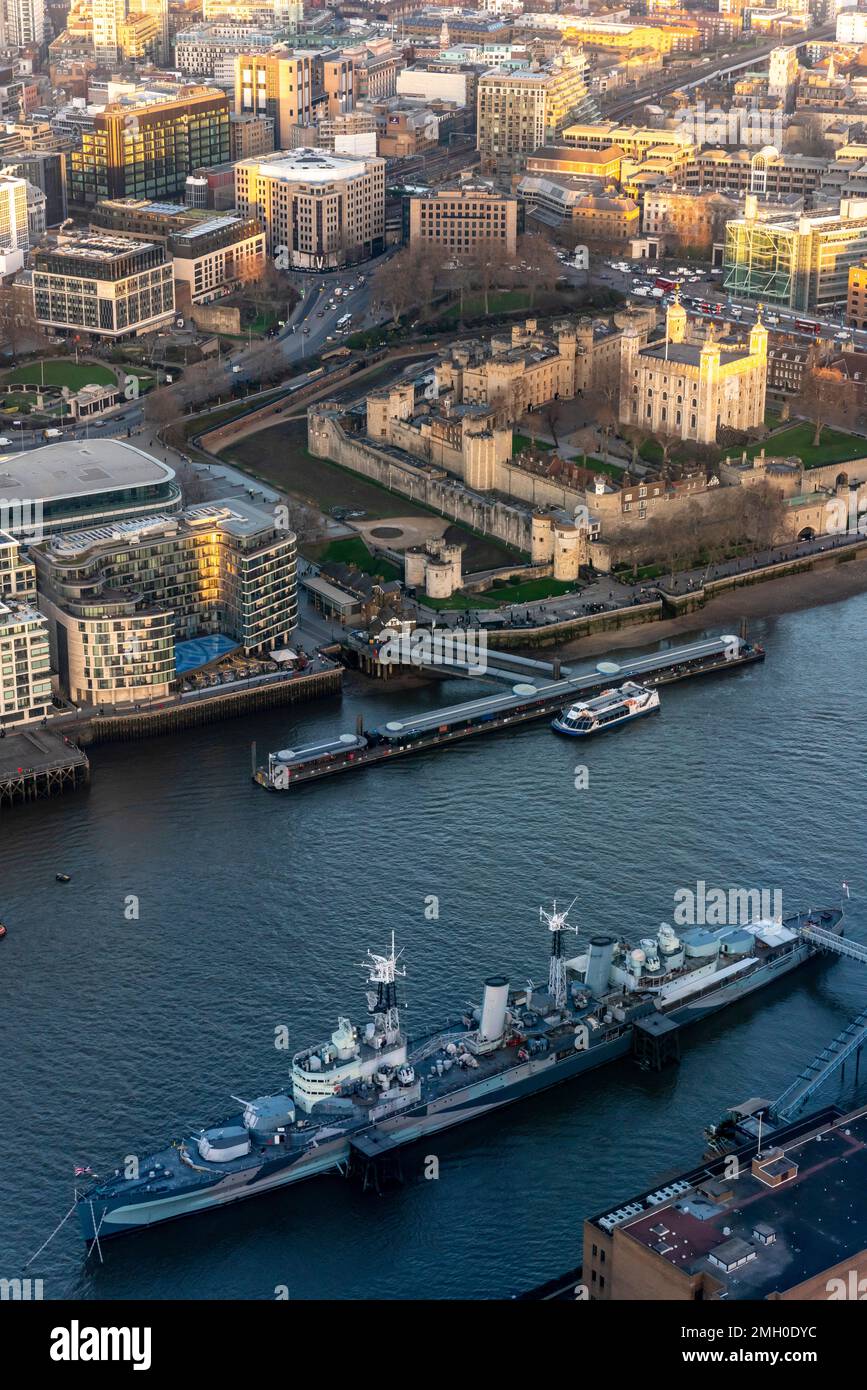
x: 460, y: 219
x: 118, y: 597
x: 519, y: 111
x: 25, y: 658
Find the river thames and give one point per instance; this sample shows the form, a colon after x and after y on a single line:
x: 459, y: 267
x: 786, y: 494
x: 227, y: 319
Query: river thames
x: 204, y: 913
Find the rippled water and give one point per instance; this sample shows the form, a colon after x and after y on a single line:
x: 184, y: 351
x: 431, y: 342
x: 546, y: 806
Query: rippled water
x: 255, y: 909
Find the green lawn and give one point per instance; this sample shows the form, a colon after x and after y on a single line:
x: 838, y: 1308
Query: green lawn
x: 650, y: 451
x: 835, y: 447
x: 528, y: 592
x: 499, y: 302
x: 614, y: 470
x: 353, y: 551
x: 531, y: 590
x: 60, y: 373
x: 522, y: 442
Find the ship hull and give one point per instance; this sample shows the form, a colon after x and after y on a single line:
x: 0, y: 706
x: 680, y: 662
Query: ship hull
x: 102, y: 1220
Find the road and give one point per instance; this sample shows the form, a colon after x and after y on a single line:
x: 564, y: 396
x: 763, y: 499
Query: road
x: 313, y: 323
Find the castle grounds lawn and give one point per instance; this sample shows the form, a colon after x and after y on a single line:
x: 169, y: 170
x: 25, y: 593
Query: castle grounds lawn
x: 522, y: 442
x: 352, y: 551
x: 835, y: 446
x: 499, y: 302
x: 59, y: 373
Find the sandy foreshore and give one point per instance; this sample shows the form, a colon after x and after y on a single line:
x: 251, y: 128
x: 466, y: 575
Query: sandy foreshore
x: 831, y: 583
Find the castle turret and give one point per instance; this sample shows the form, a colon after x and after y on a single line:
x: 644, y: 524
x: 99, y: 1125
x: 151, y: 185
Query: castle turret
x: 675, y: 321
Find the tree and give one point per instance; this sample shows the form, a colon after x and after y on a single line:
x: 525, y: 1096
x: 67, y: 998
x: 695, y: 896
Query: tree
x: 539, y: 267
x: 17, y: 317
x: 825, y: 395
x: 552, y: 415
x: 489, y: 268
x: 393, y: 289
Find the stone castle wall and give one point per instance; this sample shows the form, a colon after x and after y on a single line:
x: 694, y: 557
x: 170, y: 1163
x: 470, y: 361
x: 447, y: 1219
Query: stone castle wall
x: 326, y: 438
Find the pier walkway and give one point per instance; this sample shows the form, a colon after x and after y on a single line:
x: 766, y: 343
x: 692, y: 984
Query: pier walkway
x: 35, y: 763
x: 532, y: 697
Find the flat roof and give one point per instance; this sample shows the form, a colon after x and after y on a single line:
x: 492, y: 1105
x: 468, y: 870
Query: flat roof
x: 79, y: 468
x: 238, y: 518
x: 308, y: 166
x: 813, y: 1215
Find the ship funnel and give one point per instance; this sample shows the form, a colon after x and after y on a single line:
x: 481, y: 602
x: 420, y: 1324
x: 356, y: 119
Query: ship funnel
x: 493, y: 1023
x: 599, y: 958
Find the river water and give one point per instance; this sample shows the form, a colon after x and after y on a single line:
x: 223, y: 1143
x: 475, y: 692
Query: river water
x: 253, y: 911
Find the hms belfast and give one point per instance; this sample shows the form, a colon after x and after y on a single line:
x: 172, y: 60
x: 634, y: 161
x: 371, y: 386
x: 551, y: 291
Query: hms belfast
x: 370, y: 1090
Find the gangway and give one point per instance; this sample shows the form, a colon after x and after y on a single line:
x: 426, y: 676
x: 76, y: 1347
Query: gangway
x: 834, y: 1055
x: 827, y: 941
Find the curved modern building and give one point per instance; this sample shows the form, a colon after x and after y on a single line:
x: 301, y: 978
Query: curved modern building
x: 82, y: 483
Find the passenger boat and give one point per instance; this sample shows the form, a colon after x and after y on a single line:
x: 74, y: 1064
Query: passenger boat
x: 612, y: 707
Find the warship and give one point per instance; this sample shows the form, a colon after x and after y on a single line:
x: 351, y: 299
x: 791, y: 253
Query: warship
x: 369, y: 1089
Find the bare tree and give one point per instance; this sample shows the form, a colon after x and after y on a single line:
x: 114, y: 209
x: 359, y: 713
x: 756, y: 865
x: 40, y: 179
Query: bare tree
x: 553, y: 415
x: 392, y: 288
x: 825, y: 395
x: 539, y: 265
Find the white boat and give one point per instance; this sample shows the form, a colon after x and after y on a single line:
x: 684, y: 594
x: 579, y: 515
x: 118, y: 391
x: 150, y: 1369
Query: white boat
x: 607, y: 710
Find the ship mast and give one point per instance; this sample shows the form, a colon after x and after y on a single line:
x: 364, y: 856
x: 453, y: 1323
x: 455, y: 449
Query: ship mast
x: 557, y: 924
x: 384, y: 971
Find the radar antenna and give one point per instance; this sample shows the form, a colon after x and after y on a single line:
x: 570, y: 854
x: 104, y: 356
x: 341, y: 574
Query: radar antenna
x: 557, y: 924
x: 384, y: 971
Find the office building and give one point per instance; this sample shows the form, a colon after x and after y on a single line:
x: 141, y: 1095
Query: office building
x: 799, y: 263
x: 146, y: 143
x: 119, y: 597
x: 13, y: 214
x: 321, y: 210
x: 25, y: 23
x: 46, y: 170
x: 103, y: 286
x: 460, y: 219
x: 87, y: 482
x: 250, y: 135
x: 280, y: 84
x: 208, y: 251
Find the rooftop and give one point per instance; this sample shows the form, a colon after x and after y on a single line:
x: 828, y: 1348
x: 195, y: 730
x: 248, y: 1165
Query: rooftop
x: 307, y: 166
x: 238, y: 518
x: 814, y: 1216
x: 689, y: 354
x: 98, y: 248
x: 79, y: 468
